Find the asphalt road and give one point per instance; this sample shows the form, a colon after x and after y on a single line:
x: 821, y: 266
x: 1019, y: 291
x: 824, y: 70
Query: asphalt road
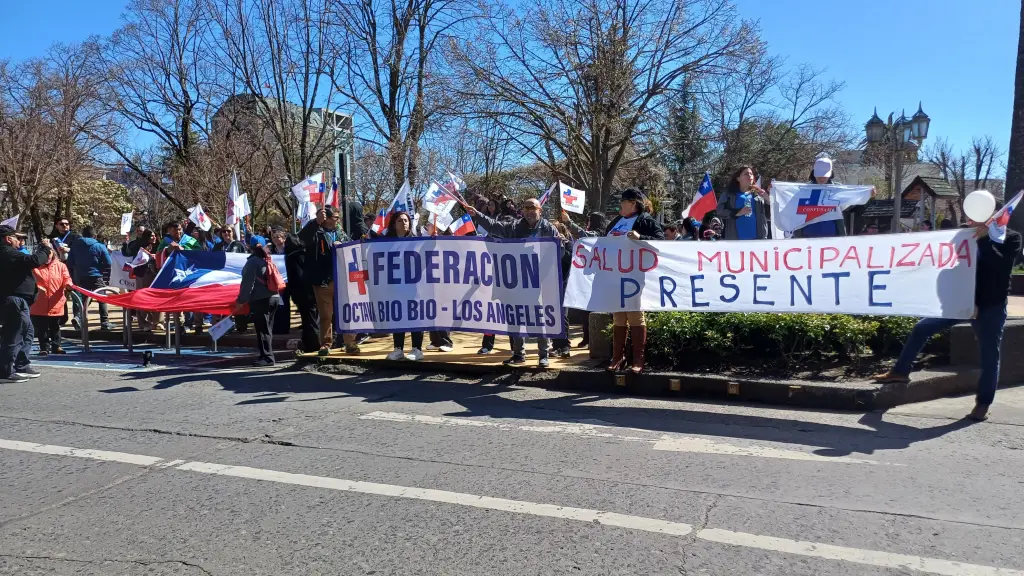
x: 191, y: 471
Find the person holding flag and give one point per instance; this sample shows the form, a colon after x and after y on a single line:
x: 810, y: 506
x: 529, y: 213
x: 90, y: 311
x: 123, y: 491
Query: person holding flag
x: 704, y: 202
x: 997, y: 250
x: 834, y: 224
x: 319, y: 273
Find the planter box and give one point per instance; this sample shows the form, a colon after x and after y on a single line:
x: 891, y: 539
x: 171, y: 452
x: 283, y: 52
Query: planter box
x: 1017, y: 284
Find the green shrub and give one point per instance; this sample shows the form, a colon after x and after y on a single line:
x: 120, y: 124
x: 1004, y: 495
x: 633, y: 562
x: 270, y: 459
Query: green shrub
x: 709, y: 338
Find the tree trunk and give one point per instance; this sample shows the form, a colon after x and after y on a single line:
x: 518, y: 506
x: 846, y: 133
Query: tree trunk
x: 1015, y: 168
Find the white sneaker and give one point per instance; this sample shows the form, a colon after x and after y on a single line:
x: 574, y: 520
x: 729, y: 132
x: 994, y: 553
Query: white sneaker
x: 398, y: 354
x: 445, y: 348
x: 415, y: 356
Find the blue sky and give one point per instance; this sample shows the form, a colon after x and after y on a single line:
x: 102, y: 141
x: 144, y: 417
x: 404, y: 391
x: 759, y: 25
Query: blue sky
x: 957, y: 57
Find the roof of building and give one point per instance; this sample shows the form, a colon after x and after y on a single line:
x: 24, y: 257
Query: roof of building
x: 884, y: 209
x: 934, y: 185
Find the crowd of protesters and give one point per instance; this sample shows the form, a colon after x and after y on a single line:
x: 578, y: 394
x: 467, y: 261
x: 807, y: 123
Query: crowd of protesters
x: 68, y: 258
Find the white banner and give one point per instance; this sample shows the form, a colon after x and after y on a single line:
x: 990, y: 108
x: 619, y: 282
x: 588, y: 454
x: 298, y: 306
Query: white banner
x: 795, y: 205
x: 926, y: 274
x: 572, y: 199
x: 447, y: 283
x: 121, y: 275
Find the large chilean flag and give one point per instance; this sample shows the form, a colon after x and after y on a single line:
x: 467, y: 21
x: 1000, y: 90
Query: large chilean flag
x: 190, y: 281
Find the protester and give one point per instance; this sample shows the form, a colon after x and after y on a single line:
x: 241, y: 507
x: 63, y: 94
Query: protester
x: 63, y: 238
x: 400, y: 226
x: 743, y: 208
x: 672, y: 231
x: 355, y: 225
x: 491, y: 211
x: 52, y: 280
x: 320, y: 274
x: 300, y: 292
x: 947, y: 224
x: 228, y: 242
x: 277, y: 237
x: 263, y: 302
x: 131, y: 248
x: 992, y: 286
x: 175, y: 239
x: 508, y: 208
x: 89, y: 262
x: 144, y: 275
x: 822, y: 173
x: 634, y: 222
x: 870, y: 229
x: 691, y: 229
x: 926, y: 226
x: 531, y: 225
x: 18, y: 290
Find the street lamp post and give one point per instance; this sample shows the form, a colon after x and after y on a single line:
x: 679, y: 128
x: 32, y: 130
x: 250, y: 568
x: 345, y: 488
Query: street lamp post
x: 899, y: 133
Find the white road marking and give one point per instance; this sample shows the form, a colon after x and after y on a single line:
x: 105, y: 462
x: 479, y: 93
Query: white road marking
x: 719, y: 536
x: 666, y: 442
x: 855, y: 555
x: 101, y: 455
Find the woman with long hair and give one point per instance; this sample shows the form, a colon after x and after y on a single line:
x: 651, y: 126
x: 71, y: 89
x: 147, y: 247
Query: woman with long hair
x: 636, y: 223
x: 400, y: 226
x: 743, y: 208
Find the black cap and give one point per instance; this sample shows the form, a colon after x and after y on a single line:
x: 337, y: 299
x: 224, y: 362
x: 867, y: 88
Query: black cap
x: 330, y: 212
x: 632, y: 194
x: 6, y: 231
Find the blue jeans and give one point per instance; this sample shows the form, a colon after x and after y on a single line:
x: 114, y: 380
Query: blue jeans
x: 988, y: 329
x: 15, y: 336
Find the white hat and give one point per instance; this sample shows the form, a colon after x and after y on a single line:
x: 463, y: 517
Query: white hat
x: 823, y: 167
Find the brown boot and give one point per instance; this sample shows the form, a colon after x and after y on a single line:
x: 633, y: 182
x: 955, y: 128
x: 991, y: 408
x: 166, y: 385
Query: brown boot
x: 618, y: 349
x: 638, y: 334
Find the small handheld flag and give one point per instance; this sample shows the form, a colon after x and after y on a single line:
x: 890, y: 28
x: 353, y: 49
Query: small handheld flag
x: 999, y: 221
x: 463, y: 226
x: 705, y: 200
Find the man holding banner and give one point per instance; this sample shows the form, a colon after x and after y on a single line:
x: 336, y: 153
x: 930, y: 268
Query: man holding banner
x: 995, y: 258
x: 531, y: 225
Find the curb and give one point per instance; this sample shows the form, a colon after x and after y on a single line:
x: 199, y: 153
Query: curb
x: 860, y: 396
x: 188, y: 339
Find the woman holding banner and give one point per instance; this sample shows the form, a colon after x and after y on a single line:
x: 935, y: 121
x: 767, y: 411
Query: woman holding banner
x: 743, y: 208
x: 634, y: 222
x: 400, y: 226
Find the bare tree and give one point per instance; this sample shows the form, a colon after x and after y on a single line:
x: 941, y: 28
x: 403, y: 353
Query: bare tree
x: 586, y: 80
x: 983, y: 154
x: 161, y: 81
x: 48, y: 112
x: 953, y: 168
x: 279, y: 52
x: 389, y: 70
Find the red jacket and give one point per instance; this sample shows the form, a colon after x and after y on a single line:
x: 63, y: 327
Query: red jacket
x: 51, y: 279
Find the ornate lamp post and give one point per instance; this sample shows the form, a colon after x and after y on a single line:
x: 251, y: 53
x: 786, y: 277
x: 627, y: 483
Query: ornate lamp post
x: 897, y: 133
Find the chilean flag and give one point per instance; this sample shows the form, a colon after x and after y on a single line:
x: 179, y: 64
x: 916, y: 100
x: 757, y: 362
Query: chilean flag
x: 399, y: 204
x: 544, y: 197
x: 190, y: 281
x: 311, y: 189
x: 1001, y: 219
x: 332, y: 196
x: 704, y: 202
x: 463, y: 226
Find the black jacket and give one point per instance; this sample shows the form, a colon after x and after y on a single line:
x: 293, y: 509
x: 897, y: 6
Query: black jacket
x: 354, y: 224
x: 646, y: 226
x: 17, y: 278
x: 995, y: 264
x: 518, y: 228
x: 319, y: 253
x: 233, y: 247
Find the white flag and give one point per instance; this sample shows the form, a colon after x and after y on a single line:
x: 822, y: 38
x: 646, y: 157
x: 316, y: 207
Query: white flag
x: 439, y: 199
x: 795, y: 205
x: 232, y: 215
x: 200, y: 218
x: 126, y: 223
x: 306, y: 212
x: 399, y: 204
x: 140, y: 259
x: 572, y: 199
x: 12, y: 222
x: 243, y: 206
x: 310, y: 190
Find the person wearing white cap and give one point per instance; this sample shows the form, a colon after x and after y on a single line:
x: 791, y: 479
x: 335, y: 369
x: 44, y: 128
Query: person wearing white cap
x: 822, y: 174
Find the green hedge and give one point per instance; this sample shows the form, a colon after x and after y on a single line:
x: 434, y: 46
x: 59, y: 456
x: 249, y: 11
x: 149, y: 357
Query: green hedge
x: 677, y: 338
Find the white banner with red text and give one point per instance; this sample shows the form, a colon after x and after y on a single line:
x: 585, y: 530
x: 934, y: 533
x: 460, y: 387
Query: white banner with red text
x: 928, y: 274
x: 469, y: 284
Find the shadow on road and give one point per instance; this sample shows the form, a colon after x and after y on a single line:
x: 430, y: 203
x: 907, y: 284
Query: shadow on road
x: 483, y: 398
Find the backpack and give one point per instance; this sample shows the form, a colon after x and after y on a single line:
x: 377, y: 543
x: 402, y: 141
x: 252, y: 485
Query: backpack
x: 275, y: 282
